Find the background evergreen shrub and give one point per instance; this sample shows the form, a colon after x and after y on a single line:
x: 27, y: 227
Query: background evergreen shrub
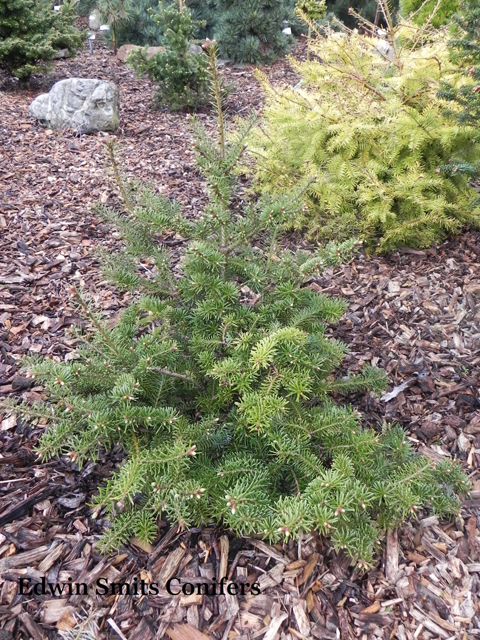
x: 144, y: 25
x: 141, y: 28
x: 251, y: 30
x: 204, y: 11
x: 423, y: 10
x: 465, y: 51
x: 181, y: 77
x: 217, y: 383
x: 367, y: 8
x: 372, y: 129
x: 31, y: 33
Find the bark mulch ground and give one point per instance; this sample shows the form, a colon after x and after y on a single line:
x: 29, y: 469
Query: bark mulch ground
x: 415, y: 313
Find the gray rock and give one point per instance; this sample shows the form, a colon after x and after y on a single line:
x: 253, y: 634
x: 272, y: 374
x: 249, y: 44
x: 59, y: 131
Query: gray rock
x: 126, y: 49
x: 194, y: 48
x: 83, y: 104
x: 61, y: 53
x: 385, y: 49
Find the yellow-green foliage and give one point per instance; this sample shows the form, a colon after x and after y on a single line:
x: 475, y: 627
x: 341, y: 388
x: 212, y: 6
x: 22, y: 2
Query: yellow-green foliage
x: 372, y: 129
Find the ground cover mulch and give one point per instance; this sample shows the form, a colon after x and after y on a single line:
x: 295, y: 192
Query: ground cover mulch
x: 415, y: 313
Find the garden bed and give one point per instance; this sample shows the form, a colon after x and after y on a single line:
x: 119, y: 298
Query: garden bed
x: 414, y: 313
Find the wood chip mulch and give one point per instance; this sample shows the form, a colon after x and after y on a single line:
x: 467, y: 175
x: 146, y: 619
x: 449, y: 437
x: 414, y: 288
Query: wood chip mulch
x: 414, y: 313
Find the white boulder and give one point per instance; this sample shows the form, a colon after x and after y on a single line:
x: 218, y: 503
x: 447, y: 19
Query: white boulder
x: 83, y: 104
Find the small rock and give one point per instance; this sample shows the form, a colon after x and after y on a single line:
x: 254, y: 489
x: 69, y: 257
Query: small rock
x: 194, y: 48
x: 393, y: 286
x: 61, y: 54
x: 126, y: 49
x: 385, y: 49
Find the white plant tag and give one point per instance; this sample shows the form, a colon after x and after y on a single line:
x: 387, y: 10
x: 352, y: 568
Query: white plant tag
x: 104, y: 27
x: 287, y: 31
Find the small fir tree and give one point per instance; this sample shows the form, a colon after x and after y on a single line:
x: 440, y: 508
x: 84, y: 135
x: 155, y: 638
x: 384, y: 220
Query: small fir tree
x: 133, y: 21
x: 392, y: 166
x: 217, y: 383
x: 117, y: 14
x: 251, y: 30
x: 31, y: 32
x: 181, y: 77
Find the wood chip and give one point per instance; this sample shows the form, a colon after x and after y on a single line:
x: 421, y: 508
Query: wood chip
x: 51, y: 558
x: 171, y: 565
x: 309, y: 568
x: 23, y: 559
x: 268, y: 550
x: 223, y: 564
x: 391, y: 562
x: 54, y: 610
x: 301, y: 617
x: 185, y: 632
x: 274, y: 626
x: 373, y: 608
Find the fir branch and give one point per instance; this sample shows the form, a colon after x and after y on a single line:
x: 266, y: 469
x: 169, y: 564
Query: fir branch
x: 73, y: 291
x: 116, y: 172
x: 173, y: 374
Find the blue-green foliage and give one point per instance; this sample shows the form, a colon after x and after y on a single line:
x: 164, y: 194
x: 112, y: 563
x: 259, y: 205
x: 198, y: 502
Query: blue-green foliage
x: 251, y: 30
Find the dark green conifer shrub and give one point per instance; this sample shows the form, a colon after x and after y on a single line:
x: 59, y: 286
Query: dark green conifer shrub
x: 465, y: 52
x: 366, y: 8
x: 218, y: 383
x: 141, y: 27
x: 31, y: 33
x: 368, y: 122
x: 205, y: 12
x: 251, y: 30
x: 181, y: 77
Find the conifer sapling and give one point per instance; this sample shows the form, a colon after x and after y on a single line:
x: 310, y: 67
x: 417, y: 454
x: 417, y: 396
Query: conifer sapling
x: 218, y: 381
x: 181, y: 76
